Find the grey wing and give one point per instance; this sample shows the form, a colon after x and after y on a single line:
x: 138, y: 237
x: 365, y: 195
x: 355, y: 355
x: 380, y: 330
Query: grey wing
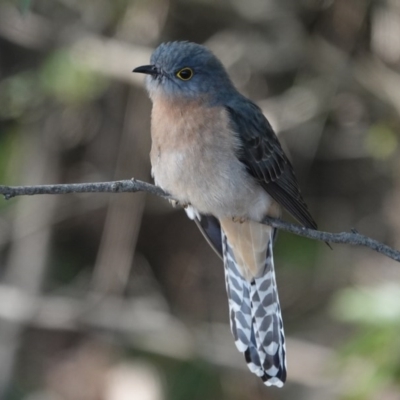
x: 255, y: 317
x: 262, y: 154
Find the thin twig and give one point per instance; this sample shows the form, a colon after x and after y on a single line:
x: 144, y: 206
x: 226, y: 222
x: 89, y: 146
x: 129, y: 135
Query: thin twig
x: 342, y: 237
x: 133, y: 185
x: 125, y: 186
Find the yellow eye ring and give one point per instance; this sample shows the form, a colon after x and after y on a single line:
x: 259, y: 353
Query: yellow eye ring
x: 185, y: 74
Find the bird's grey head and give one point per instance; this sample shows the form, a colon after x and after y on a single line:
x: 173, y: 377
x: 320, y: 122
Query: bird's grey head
x: 186, y: 70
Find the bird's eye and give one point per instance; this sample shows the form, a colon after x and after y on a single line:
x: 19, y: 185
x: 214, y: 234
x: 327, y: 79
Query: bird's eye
x: 185, y: 74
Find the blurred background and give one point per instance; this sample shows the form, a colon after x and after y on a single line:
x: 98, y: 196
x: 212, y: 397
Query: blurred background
x: 118, y: 296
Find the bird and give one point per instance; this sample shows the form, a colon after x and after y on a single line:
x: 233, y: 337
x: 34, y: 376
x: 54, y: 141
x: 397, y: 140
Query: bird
x: 216, y: 154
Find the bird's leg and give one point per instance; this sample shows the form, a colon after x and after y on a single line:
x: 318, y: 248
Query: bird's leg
x: 174, y: 203
x: 177, y: 203
x: 239, y: 219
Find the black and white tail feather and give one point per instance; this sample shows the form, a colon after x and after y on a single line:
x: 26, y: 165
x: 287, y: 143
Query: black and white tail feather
x: 255, y: 317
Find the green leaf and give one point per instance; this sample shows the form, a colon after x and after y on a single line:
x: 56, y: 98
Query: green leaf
x: 69, y: 81
x: 381, y: 141
x: 375, y: 306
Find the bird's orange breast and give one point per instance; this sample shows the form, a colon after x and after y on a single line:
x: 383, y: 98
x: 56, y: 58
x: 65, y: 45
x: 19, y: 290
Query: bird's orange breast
x: 194, y: 157
x: 180, y: 124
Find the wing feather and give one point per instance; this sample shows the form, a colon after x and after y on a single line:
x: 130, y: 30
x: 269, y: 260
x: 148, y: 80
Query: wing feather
x: 263, y: 156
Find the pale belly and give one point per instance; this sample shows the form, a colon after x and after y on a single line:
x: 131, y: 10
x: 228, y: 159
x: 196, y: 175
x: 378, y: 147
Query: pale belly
x: 210, y: 181
x: 194, y: 158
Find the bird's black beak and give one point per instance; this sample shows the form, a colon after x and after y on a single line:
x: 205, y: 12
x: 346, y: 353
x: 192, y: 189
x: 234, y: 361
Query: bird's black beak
x: 147, y: 69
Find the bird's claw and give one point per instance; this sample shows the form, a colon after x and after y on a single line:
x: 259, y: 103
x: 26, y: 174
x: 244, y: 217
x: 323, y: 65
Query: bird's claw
x: 177, y: 203
x: 174, y: 203
x: 239, y: 219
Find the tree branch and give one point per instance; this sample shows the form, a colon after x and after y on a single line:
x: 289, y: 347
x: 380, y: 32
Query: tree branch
x: 125, y: 186
x: 133, y: 185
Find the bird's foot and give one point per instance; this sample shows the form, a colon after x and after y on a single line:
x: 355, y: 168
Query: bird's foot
x: 239, y: 219
x: 177, y: 203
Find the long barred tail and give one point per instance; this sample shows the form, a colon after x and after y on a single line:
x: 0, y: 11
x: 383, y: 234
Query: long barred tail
x: 255, y: 317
